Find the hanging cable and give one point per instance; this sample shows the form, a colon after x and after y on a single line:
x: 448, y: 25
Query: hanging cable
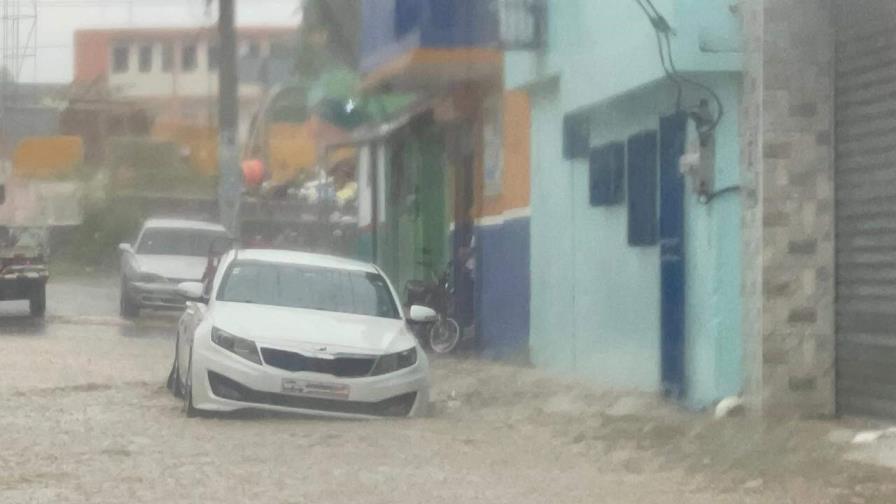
x: 709, y: 90
x: 670, y: 73
x: 663, y: 32
x: 658, y: 24
x: 707, y: 198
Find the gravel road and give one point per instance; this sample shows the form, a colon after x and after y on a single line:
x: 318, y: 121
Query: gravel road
x: 84, y: 417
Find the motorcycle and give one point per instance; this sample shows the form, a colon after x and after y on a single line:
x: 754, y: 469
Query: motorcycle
x: 443, y: 334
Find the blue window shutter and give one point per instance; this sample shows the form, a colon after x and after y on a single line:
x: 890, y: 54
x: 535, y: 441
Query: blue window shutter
x: 575, y: 136
x: 606, y: 174
x: 642, y: 189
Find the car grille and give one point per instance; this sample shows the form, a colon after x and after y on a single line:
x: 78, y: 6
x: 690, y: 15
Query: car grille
x: 162, y: 300
x: 397, y: 406
x: 344, y: 367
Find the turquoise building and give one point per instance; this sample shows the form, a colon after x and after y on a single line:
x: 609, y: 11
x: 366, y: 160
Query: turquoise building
x: 635, y: 268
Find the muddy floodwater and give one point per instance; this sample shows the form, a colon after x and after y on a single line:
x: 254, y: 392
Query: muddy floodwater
x: 84, y: 417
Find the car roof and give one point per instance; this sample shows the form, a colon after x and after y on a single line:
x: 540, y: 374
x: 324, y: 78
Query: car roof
x: 304, y: 258
x: 183, y: 224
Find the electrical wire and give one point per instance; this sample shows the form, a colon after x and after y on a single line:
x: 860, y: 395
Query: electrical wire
x: 655, y: 23
x: 663, y: 32
x: 656, y: 12
x: 709, y: 90
x: 671, y: 74
x: 706, y: 199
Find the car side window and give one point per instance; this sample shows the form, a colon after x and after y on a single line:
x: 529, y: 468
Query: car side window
x: 135, y: 238
x: 208, y: 278
x: 216, y: 279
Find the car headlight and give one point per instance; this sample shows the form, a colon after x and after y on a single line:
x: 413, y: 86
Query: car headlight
x: 240, y: 346
x: 394, y: 362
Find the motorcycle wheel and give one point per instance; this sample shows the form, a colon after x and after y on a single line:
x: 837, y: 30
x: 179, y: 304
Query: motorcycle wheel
x: 444, y: 335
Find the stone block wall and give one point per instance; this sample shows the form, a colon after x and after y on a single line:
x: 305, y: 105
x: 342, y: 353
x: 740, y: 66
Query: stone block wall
x: 788, y: 222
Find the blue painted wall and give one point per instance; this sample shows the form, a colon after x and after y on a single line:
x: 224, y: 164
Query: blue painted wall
x: 595, y: 301
x: 502, y: 297
x: 391, y: 28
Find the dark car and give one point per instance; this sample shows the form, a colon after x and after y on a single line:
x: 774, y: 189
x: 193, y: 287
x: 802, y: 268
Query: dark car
x: 23, y: 266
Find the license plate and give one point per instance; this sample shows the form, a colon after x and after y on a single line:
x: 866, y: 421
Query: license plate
x: 315, y: 389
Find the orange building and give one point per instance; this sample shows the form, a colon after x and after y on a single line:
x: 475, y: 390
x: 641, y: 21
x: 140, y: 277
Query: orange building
x: 172, y: 72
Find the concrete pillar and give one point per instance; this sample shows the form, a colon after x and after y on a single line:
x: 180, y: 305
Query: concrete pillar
x: 788, y: 220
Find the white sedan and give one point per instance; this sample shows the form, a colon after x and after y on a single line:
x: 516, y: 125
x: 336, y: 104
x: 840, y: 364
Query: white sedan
x: 167, y: 252
x: 306, y: 333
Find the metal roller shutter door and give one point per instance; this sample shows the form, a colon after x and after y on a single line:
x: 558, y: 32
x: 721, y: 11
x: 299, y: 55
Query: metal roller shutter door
x: 865, y: 188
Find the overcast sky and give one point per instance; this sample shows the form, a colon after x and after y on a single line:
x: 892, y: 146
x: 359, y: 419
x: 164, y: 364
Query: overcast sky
x: 58, y: 19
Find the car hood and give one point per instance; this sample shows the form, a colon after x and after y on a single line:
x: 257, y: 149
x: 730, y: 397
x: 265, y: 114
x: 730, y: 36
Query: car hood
x: 173, y: 266
x: 311, y: 330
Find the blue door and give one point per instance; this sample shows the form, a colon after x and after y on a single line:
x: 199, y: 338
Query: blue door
x: 672, y: 274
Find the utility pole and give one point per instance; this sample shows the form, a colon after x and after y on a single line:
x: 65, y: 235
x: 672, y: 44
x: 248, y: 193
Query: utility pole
x: 230, y: 181
x: 5, y: 70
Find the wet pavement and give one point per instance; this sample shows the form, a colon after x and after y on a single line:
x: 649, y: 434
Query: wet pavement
x: 84, y: 417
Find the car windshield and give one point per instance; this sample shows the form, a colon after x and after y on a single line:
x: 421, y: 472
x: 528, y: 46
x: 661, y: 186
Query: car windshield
x: 182, y: 242
x: 22, y: 238
x: 308, y: 287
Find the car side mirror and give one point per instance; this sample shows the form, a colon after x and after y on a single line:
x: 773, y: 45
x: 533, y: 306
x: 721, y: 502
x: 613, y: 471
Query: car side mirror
x: 192, y: 291
x: 125, y: 247
x: 423, y: 314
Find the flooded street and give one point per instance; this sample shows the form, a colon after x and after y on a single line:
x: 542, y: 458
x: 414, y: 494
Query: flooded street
x: 631, y: 251
x: 86, y: 418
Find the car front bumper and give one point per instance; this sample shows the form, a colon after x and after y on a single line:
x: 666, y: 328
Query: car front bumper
x: 156, y: 295
x: 19, y: 283
x: 248, y: 385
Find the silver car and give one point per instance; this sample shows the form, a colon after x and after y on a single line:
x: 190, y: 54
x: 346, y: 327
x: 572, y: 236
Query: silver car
x: 166, y: 253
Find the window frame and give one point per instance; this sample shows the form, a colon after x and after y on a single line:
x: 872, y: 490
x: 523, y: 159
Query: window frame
x: 141, y: 53
x: 192, y: 50
x: 121, y: 66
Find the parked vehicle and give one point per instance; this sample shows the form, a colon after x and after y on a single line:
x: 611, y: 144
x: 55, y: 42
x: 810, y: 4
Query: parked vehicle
x: 443, y: 333
x: 23, y: 267
x: 291, y: 331
x: 166, y: 253
x: 24, y: 249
